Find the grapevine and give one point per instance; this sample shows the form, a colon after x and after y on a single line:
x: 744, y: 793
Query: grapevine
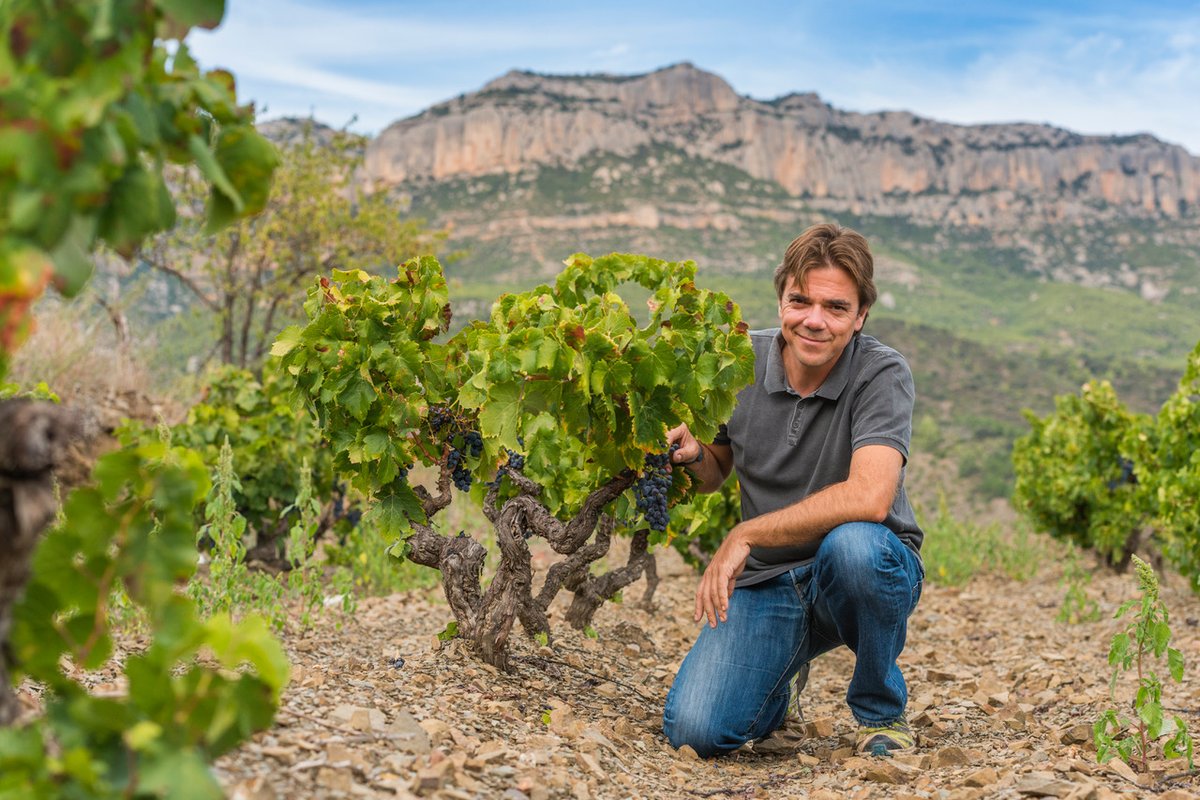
x: 558, y: 397
x: 1116, y: 481
x: 88, y: 130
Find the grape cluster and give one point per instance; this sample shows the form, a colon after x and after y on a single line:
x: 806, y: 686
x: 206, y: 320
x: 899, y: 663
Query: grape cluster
x: 651, y: 489
x: 339, y: 500
x: 443, y: 420
x: 439, y: 417
x: 515, y: 461
x: 460, y: 474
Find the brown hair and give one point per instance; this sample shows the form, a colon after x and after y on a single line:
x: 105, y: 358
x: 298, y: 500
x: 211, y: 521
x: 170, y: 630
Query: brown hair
x: 829, y: 245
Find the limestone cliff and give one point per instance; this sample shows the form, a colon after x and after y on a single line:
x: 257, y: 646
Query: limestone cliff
x: 887, y: 162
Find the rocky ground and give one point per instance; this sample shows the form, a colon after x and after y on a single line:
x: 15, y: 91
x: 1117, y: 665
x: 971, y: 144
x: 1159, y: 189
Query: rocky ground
x: 1002, y: 697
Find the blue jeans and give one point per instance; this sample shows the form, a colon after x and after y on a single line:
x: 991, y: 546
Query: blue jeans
x: 859, y: 591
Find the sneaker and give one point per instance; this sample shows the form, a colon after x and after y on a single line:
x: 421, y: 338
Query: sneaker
x: 795, y: 687
x: 886, y: 740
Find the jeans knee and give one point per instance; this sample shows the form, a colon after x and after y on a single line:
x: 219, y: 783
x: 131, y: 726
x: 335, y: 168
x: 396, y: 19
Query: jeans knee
x: 692, y: 729
x: 854, y: 546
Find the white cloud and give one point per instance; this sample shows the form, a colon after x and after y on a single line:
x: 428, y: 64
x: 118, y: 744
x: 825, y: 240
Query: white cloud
x: 1121, y: 78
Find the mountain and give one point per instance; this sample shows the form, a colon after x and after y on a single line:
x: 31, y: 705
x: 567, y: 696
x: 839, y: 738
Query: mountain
x: 890, y: 162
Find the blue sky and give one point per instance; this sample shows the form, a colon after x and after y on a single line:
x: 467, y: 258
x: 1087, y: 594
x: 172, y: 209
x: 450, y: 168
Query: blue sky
x: 1092, y: 67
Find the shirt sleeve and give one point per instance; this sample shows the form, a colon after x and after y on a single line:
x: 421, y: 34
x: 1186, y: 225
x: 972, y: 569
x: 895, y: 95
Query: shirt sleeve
x: 883, y: 406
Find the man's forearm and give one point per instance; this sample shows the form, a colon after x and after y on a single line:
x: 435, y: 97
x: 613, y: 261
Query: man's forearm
x: 865, y: 496
x: 803, y: 522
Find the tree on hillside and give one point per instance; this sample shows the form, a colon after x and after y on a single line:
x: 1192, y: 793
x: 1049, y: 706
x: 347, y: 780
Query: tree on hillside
x: 318, y: 219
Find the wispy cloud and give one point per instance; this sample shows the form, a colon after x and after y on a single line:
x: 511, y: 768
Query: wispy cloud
x: 1095, y: 76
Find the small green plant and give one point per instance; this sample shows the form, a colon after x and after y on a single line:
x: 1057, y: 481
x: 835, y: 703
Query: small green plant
x: 234, y: 587
x: 253, y: 413
x: 231, y: 584
x: 1076, y: 607
x: 449, y: 632
x: 304, y: 578
x: 39, y: 392
x: 1146, y: 639
x: 223, y: 533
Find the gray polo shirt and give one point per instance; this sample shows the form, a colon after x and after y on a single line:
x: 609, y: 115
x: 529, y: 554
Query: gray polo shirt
x: 786, y: 447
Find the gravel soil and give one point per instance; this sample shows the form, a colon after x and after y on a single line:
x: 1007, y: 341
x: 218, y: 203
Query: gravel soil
x: 1002, y: 697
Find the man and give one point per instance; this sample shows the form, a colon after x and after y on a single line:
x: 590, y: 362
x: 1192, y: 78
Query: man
x: 827, y: 552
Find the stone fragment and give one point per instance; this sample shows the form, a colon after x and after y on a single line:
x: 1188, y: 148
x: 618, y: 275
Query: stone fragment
x: 818, y: 728
x: 951, y: 757
x: 437, y: 730
x: 1124, y: 770
x: 335, y: 780
x: 399, y: 762
x: 981, y: 778
x: 407, y: 735
x: 590, y: 763
x: 359, y: 718
x: 252, y: 789
x: 1043, y: 784
x: 883, y: 772
x: 1076, y: 734
x: 841, y: 754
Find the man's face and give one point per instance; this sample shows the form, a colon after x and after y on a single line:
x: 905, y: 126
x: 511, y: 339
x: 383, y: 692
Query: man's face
x: 818, y: 321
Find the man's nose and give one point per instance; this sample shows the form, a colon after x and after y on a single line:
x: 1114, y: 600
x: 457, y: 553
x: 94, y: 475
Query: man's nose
x: 815, y: 318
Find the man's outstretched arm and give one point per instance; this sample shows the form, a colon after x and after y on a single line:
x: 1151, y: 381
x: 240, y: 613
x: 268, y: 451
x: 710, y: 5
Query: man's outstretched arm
x: 865, y: 496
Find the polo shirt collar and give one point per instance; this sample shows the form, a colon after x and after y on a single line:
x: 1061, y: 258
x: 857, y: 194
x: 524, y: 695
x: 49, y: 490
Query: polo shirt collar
x: 776, y: 379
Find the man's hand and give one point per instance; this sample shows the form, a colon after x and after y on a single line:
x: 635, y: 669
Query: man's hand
x: 716, y: 586
x: 709, y: 464
x: 689, y: 447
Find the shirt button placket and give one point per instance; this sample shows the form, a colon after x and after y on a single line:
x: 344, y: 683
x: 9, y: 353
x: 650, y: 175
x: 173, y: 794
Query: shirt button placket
x: 794, y: 430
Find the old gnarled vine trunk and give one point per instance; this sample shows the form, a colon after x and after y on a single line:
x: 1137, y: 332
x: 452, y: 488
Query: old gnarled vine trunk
x: 33, y: 440
x: 486, y: 617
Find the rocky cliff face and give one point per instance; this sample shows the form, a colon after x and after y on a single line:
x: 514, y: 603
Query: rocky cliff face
x: 887, y: 162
